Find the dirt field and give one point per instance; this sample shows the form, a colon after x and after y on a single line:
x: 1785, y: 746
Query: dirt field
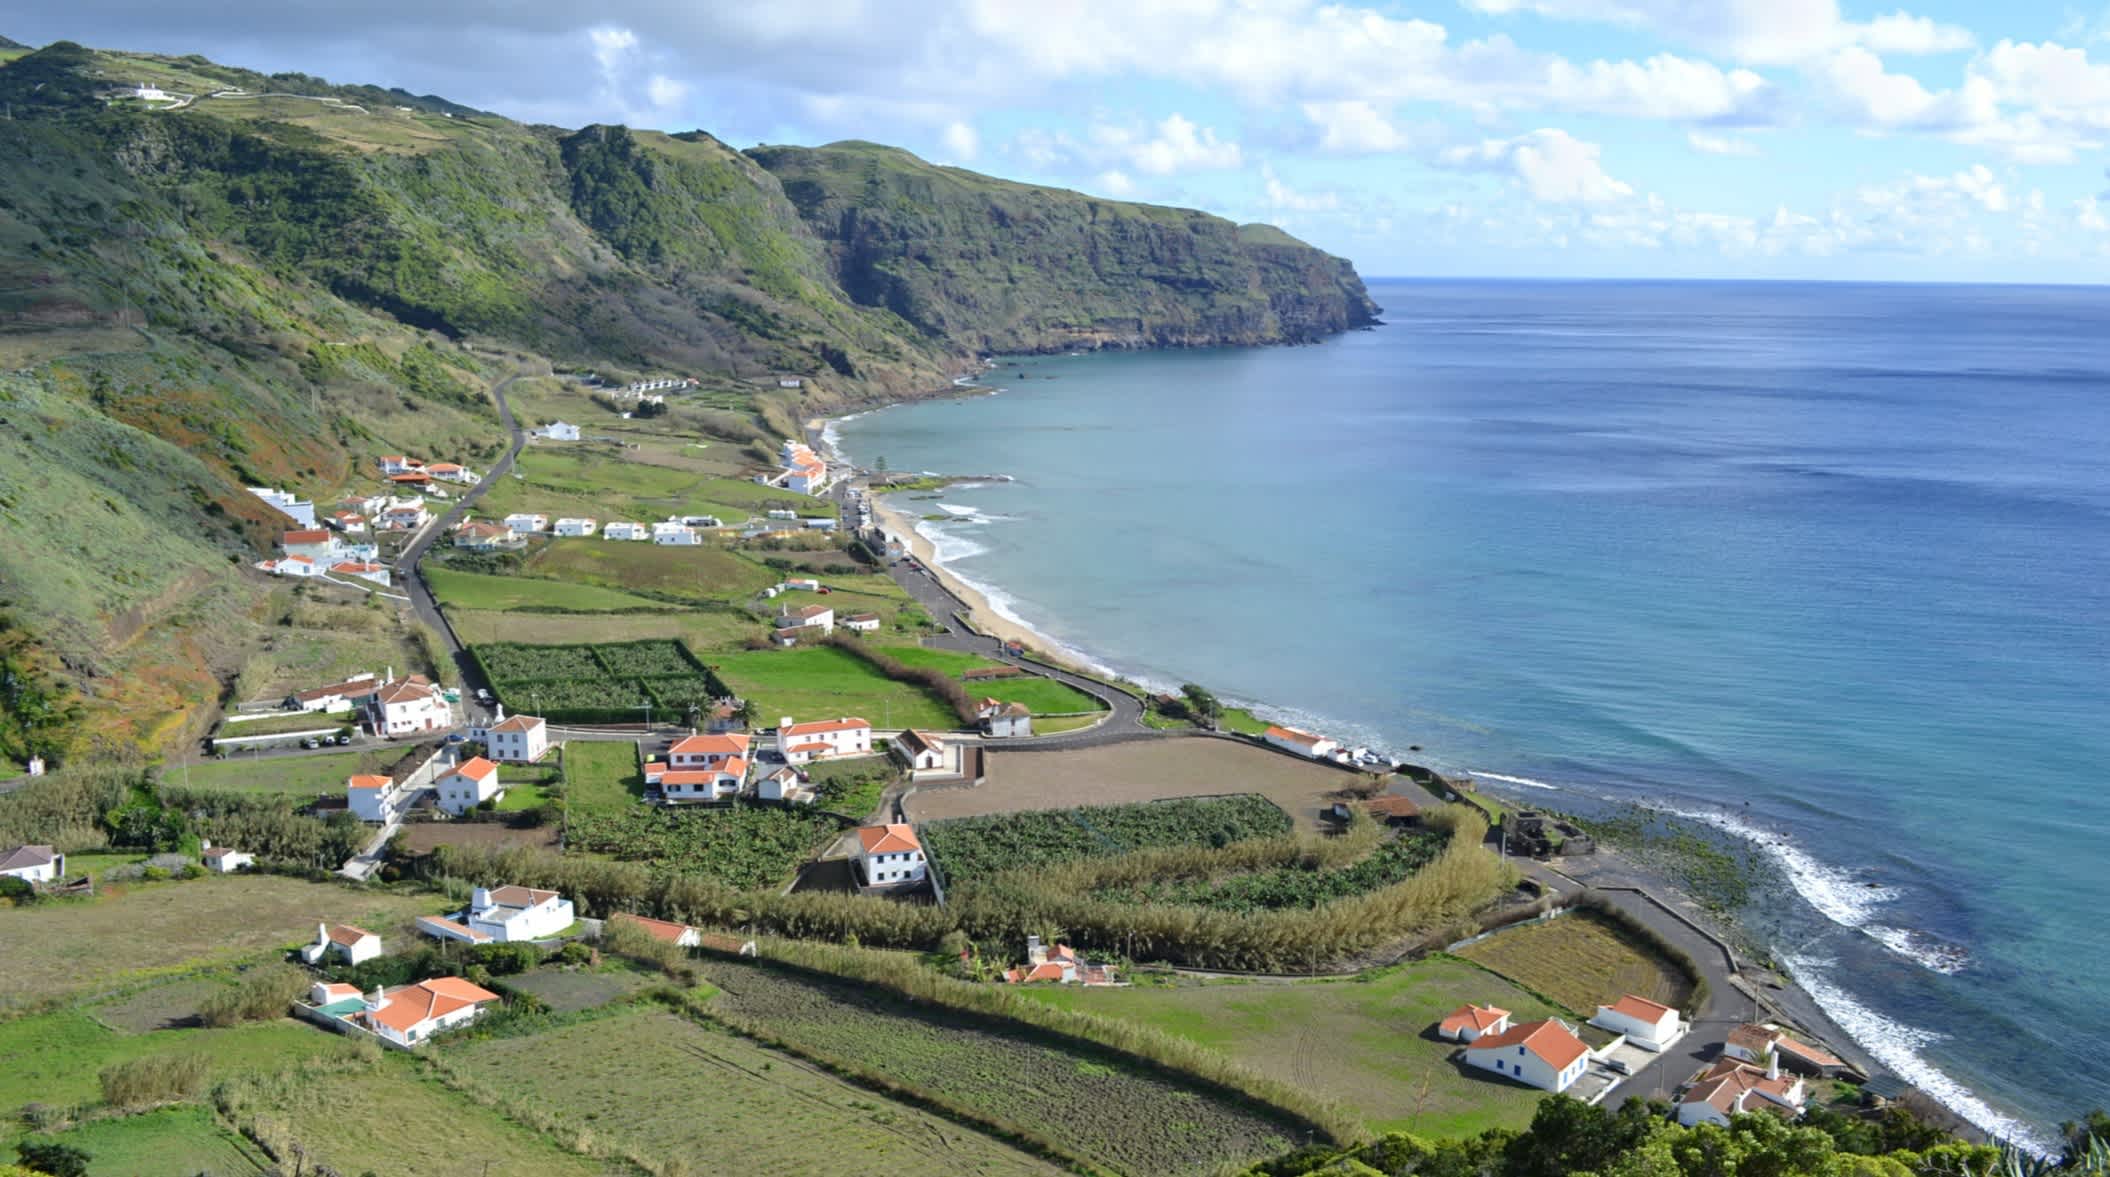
x: 421, y: 837
x: 1141, y: 771
x: 1580, y: 961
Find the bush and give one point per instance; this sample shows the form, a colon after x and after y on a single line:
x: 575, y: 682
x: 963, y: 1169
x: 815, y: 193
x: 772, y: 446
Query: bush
x: 575, y: 953
x: 17, y: 891
x: 49, y: 1156
x: 155, y: 874
x: 194, y: 870
x: 505, y: 960
x: 936, y: 681
x: 262, y: 992
x: 156, y: 1079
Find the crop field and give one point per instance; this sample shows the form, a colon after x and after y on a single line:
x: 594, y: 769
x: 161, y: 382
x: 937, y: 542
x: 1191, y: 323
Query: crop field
x: 171, y: 1142
x: 582, y: 480
x: 422, y: 837
x: 1580, y: 961
x: 477, y: 590
x: 1295, y: 885
x: 53, y: 1058
x: 571, y: 990
x: 1098, y: 1104
x: 742, y: 845
x: 1044, y: 696
x: 56, y: 948
x: 1367, y: 1042
x: 821, y: 682
x: 600, y: 683
x: 164, y: 1006
x: 699, y: 629
x: 1143, y: 770
x: 699, y: 573
x: 974, y: 848
x: 304, y: 776
x: 634, y: 1079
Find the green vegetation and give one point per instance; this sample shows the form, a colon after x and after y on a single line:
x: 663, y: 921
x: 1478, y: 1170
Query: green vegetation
x: 1044, y: 696
x: 312, y: 721
x: 1581, y: 961
x: 1305, y: 883
x: 171, y: 1142
x: 816, y: 682
x: 852, y: 787
x: 1364, y: 1043
x: 472, y: 590
x: 610, y: 683
x: 601, y: 777
x: 56, y: 1058
x: 744, y: 846
x: 970, y: 849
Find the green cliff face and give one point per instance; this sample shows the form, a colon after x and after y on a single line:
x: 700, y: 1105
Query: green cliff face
x: 998, y: 266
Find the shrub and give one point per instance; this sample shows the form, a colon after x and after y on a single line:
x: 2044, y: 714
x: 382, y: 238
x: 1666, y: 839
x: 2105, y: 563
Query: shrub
x: 17, y: 891
x: 49, y: 1156
x: 156, y: 1079
x: 155, y: 874
x: 262, y: 992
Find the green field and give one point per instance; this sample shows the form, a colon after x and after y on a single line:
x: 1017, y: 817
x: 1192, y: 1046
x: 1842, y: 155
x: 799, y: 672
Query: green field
x: 601, y: 776
x: 1044, y: 696
x: 1581, y: 961
x: 1096, y: 1104
x: 600, y: 483
x: 476, y: 590
x: 171, y: 1142
x: 569, y: 990
x: 701, y: 629
x: 637, y: 1080
x: 1365, y: 1042
x: 521, y: 796
x: 53, y: 1058
x: 313, y: 721
x: 821, y: 682
x: 863, y: 780
x: 305, y: 776
x: 702, y: 573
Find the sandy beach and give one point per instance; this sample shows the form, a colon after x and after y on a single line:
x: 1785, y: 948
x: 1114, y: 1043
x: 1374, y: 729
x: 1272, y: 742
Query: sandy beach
x: 980, y: 612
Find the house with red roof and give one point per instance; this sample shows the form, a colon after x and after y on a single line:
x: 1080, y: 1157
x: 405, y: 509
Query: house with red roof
x: 1303, y: 743
x: 470, y: 784
x: 889, y: 857
x: 409, y: 1015
x: 721, y: 782
x: 1757, y: 1044
x: 373, y: 798
x: 394, y: 464
x: 820, y: 739
x: 704, y: 751
x: 518, y: 739
x: 1544, y: 1054
x: 408, y: 706
x: 1732, y: 1087
x: 349, y: 944
x: 1650, y: 1025
x: 1060, y: 965
x: 919, y: 751
x: 999, y: 718
x: 1469, y: 1023
x: 665, y: 931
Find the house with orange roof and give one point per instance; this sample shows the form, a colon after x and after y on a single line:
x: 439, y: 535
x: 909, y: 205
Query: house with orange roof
x: 1754, y: 1043
x: 786, y: 785
x: 705, y: 751
x: 409, y: 1015
x: 394, y: 464
x: 1732, y: 1087
x: 819, y: 617
x: 1544, y: 1054
x: 349, y: 522
x: 1468, y: 1023
x: 352, y: 945
x: 1303, y: 743
x: 468, y: 785
x: 723, y: 782
x: 373, y: 798
x: 408, y: 706
x: 1060, y: 965
x: 290, y: 566
x: 820, y: 739
x: 889, y: 857
x: 518, y: 739
x: 365, y: 570
x: 451, y: 472
x: 1650, y: 1025
x: 999, y: 718
x: 665, y: 931
x: 315, y: 543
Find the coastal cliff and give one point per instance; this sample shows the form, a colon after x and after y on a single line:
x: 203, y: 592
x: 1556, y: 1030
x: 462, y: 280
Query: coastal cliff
x: 991, y: 265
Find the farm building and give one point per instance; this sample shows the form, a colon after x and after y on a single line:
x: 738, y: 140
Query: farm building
x: 1543, y: 1054
x: 1650, y: 1025
x: 343, y: 941
x: 1468, y: 1023
x: 32, y: 864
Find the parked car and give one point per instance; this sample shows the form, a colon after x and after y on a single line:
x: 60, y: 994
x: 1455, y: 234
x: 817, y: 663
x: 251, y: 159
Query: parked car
x: 483, y: 695
x: 309, y: 742
x: 455, y: 737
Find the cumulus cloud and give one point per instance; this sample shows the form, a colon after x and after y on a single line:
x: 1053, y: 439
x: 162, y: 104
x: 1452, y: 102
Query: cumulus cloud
x: 1552, y: 165
x: 1173, y: 146
x: 961, y: 141
x: 1355, y: 128
x: 1282, y: 198
x: 1763, y: 32
x: 1710, y: 144
x: 1115, y: 183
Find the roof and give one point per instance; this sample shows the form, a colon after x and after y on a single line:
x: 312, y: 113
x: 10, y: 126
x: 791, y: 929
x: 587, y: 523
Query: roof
x: 1641, y: 1008
x: 459, y: 931
x: 309, y: 536
x: 848, y: 723
x: 1479, y: 1018
x: 518, y: 723
x: 413, y: 1005
x: 703, y: 776
x: 475, y: 768
x: 407, y: 476
x: 1754, y: 1038
x: 338, y: 990
x: 368, y: 781
x: 219, y: 852
x: 356, y: 569
x: 1015, y: 710
x: 437, y: 467
x: 809, y: 612
x: 482, y: 530
x: 24, y: 856
x: 1548, y: 1039
x: 1392, y: 806
x: 888, y: 839
x: 1728, y: 1079
x: 862, y: 617
x: 364, y: 686
x: 1293, y: 735
x: 516, y: 896
x: 347, y: 934
x: 666, y: 930
x: 916, y: 740
x: 406, y: 690
x: 722, y: 744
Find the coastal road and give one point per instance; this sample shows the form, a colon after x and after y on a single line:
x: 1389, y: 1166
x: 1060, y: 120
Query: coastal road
x: 412, y: 578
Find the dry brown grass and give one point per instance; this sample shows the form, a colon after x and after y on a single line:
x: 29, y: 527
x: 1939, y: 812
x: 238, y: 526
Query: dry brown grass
x: 1579, y: 961
x: 1142, y: 771
x: 422, y: 837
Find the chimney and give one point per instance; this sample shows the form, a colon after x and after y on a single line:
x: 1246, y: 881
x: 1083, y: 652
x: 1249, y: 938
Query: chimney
x: 1035, y: 954
x: 1773, y: 1063
x: 501, y: 713
x: 391, y: 674
x: 782, y: 724
x: 479, y: 899
x: 322, y: 933
x: 376, y: 1000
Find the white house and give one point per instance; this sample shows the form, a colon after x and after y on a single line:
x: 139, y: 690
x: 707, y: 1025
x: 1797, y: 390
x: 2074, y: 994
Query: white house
x: 1732, y: 1086
x: 394, y: 464
x: 503, y: 914
x: 1544, y: 1054
x: 703, y: 521
x: 1001, y: 719
x: 721, y: 782
x: 790, y: 382
x: 1754, y: 1043
x: 785, y: 785
x: 32, y: 864
x: 469, y: 785
x: 336, y: 696
x: 919, y: 751
x: 558, y: 431
x: 666, y: 931
x: 486, y: 537
x: 299, y: 566
x: 819, y: 617
x: 524, y: 524
x: 520, y: 739
x: 450, y: 472
x: 372, y: 798
x: 408, y: 1015
x: 408, y: 706
x: 1650, y: 1025
x: 363, y: 570
x: 1468, y: 1023
x: 827, y: 523
x: 403, y: 515
x: 862, y: 622
x: 678, y: 535
x: 626, y: 530
x: 349, y: 522
x: 782, y: 513
x: 577, y: 528
x: 889, y: 856
x: 313, y: 542
x: 287, y: 503
x: 801, y: 743
x: 709, y: 751
x: 805, y: 583
x: 1059, y: 964
x: 343, y: 941
x: 224, y: 860
x: 1303, y: 743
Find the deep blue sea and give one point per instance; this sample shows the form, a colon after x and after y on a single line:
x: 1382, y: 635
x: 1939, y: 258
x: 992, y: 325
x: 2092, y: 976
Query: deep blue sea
x: 1826, y: 565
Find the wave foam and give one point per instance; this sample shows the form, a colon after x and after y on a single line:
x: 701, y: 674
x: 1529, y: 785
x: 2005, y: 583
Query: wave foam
x: 1898, y: 1047
x: 1525, y: 781
x: 1929, y: 951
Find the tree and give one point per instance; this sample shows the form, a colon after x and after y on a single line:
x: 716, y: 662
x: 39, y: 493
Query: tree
x: 1202, y: 704
x: 879, y: 464
x: 48, y: 1156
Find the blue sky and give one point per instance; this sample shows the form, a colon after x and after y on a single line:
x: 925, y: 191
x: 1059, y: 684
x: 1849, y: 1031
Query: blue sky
x: 1739, y: 138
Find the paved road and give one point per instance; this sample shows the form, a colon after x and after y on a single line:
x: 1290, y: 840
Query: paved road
x: 412, y: 578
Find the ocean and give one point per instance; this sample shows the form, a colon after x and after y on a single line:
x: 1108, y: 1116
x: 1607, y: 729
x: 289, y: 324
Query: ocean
x: 1826, y: 566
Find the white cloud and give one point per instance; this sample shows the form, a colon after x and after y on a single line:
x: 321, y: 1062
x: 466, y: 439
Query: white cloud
x: 1708, y: 144
x: 1115, y: 183
x: 1901, y: 32
x: 665, y: 92
x: 1553, y: 166
x: 1763, y: 32
x: 1355, y: 128
x: 1176, y: 145
x: 1281, y: 197
x: 2088, y: 214
x: 961, y: 141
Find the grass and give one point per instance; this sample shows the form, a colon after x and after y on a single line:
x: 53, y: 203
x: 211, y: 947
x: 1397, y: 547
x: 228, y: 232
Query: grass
x: 601, y: 776
x: 662, y: 1087
x: 1364, y: 1042
x: 305, y: 776
x: 601, y: 484
x: 94, y: 862
x: 868, y: 777
x: 1580, y: 961
x: 311, y: 721
x: 476, y: 590
x: 169, y: 1142
x: 53, y: 1058
x: 1238, y: 719
x: 135, y: 932
x: 1044, y: 695
x: 702, y: 629
x: 702, y: 573
x: 521, y: 796
x: 822, y: 682
x: 1054, y: 724
x: 571, y: 990
x: 162, y: 1006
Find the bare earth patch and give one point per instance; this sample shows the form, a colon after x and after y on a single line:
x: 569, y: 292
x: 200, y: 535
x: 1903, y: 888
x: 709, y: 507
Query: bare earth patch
x: 1148, y: 770
x: 422, y: 837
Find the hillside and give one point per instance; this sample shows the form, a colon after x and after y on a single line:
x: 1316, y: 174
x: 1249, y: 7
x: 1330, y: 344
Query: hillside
x: 242, y: 279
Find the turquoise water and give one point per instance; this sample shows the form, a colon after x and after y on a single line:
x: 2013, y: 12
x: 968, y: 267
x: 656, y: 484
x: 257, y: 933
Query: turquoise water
x: 1825, y: 565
